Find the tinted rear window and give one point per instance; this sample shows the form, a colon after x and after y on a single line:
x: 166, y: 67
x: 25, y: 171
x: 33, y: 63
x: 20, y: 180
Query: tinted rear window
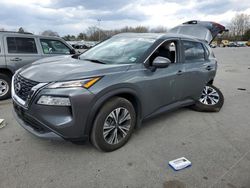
x: 193, y: 51
x: 21, y: 45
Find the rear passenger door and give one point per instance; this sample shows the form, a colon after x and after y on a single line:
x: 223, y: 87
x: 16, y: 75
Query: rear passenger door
x: 20, y: 51
x: 196, y: 64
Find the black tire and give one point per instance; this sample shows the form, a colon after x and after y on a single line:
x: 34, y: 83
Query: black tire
x: 97, y: 134
x: 201, y: 107
x: 5, y: 93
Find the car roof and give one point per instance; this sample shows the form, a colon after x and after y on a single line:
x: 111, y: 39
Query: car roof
x: 25, y: 34
x: 157, y: 36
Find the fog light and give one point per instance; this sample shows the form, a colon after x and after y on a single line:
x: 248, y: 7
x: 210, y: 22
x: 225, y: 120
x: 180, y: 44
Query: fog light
x: 54, y: 101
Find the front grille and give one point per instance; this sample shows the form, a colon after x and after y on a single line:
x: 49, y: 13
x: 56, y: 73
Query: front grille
x: 23, y: 86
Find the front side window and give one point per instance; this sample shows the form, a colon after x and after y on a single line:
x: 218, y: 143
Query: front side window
x: 193, y: 51
x: 119, y: 50
x: 21, y: 45
x: 54, y: 47
x: 168, y: 50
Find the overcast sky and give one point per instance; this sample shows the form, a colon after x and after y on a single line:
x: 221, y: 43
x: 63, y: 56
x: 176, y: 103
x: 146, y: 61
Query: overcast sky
x: 74, y: 16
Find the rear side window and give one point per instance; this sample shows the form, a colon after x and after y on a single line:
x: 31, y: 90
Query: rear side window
x: 54, y: 47
x: 21, y: 45
x: 193, y: 51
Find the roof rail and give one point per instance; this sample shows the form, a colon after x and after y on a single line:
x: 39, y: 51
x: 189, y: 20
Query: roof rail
x: 191, y: 22
x: 16, y: 32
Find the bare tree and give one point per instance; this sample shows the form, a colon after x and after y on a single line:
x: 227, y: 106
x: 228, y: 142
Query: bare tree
x: 140, y: 29
x: 50, y: 33
x: 93, y: 33
x: 239, y: 24
x: 69, y: 37
x: 82, y: 36
x: 246, y: 36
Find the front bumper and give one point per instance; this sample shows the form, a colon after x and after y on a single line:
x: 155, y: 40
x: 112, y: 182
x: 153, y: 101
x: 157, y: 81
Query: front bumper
x: 57, y: 122
x: 37, y: 131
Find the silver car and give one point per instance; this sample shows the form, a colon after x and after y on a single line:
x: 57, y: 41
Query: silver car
x: 110, y: 89
x: 20, y: 49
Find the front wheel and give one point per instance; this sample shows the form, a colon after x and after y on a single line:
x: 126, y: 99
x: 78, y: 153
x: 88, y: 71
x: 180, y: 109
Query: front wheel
x: 5, y: 86
x: 211, y: 100
x: 113, y: 125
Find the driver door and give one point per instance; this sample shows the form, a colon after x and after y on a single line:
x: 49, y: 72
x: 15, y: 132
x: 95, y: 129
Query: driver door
x: 163, y: 86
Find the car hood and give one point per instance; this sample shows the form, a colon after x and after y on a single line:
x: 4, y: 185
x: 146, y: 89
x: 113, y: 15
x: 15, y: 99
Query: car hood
x: 64, y: 68
x: 51, y: 59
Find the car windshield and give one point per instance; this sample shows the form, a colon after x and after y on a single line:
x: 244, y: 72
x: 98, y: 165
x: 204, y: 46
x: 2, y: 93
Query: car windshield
x: 118, y: 50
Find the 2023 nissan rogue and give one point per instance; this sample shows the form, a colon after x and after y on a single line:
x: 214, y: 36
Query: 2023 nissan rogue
x: 107, y: 92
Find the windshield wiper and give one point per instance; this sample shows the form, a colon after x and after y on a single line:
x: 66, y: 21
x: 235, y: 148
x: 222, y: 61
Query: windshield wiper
x: 94, y: 61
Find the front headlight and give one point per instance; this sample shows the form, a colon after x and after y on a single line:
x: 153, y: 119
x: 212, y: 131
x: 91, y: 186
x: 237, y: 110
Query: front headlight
x: 54, y: 101
x: 86, y: 83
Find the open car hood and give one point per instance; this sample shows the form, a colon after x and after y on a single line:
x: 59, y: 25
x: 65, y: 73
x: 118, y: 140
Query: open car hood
x: 203, y: 30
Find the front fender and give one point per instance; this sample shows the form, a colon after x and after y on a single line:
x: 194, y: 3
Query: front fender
x: 107, y: 94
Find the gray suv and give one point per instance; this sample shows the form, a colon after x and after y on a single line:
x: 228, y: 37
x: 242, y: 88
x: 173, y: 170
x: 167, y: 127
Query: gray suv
x: 19, y: 49
x: 106, y: 92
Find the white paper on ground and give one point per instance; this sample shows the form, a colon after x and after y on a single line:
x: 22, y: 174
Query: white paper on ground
x: 180, y: 163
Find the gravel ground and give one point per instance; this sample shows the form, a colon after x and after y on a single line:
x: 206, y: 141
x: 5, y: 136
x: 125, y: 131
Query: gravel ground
x: 217, y: 144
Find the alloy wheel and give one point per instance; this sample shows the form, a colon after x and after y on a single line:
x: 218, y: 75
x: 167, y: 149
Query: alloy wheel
x: 209, y: 96
x: 116, y: 126
x: 4, y: 87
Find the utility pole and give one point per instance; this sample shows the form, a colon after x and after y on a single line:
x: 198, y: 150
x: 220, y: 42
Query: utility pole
x: 99, y: 26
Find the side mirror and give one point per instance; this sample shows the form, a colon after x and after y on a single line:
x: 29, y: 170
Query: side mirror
x: 76, y: 56
x: 72, y: 51
x: 161, y: 62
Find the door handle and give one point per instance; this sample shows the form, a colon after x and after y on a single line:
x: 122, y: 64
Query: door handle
x: 16, y: 59
x: 208, y: 68
x: 179, y: 72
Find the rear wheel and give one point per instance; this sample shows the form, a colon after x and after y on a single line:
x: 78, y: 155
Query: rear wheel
x: 113, y: 125
x: 5, y: 86
x: 211, y: 100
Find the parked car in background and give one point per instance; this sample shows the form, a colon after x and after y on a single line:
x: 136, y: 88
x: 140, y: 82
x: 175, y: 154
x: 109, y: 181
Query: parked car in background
x: 82, y: 46
x: 233, y: 44
x: 241, y: 44
x: 224, y: 43
x: 212, y: 45
x: 20, y: 49
x: 248, y: 43
x: 111, y: 88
